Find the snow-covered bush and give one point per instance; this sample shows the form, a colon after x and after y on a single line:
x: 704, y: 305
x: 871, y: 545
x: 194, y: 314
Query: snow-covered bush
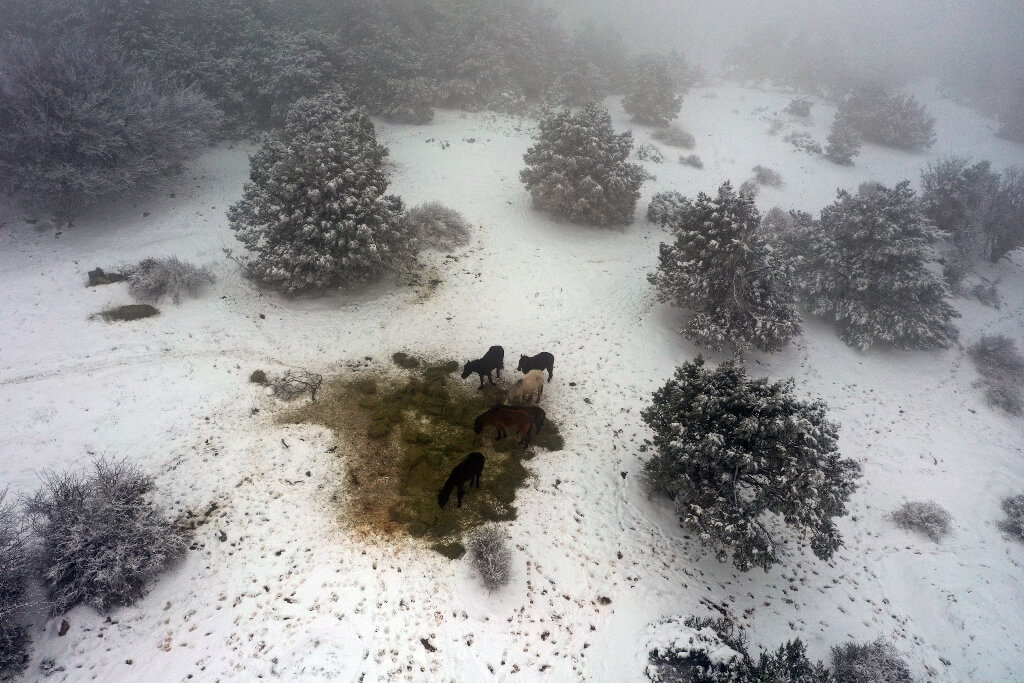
x: 295, y: 383
x: 314, y: 214
x: 734, y: 452
x: 799, y: 106
x: 691, y: 160
x: 1013, y: 506
x: 889, y: 119
x: 577, y: 83
x: 767, y: 176
x: 14, y: 566
x: 437, y: 227
x: 926, y: 517
x: 778, y: 222
x: 865, y: 263
x: 155, y: 278
x: 874, y: 662
x: 1005, y: 227
x: 79, y: 122
x: 652, y: 95
x: 490, y: 555
x: 844, y: 141
x: 674, y: 136
x: 650, y: 153
x: 703, y: 650
x: 721, y: 268
x: 1001, y: 367
x: 803, y: 141
x: 101, y: 540
x: 958, y: 197
x: 578, y: 168
x: 667, y: 208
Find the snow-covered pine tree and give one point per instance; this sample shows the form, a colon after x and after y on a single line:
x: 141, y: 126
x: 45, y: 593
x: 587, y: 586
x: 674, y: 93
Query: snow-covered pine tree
x: 893, y: 120
x: 740, y: 455
x: 957, y: 197
x: 652, y: 95
x: 14, y: 572
x: 864, y: 262
x: 1005, y: 227
x: 315, y: 215
x: 843, y: 141
x: 721, y: 267
x: 578, y: 168
x: 667, y: 208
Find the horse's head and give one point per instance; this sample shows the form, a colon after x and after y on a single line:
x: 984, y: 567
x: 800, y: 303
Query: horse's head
x: 522, y: 359
x: 465, y: 370
x: 442, y: 497
x: 478, y: 425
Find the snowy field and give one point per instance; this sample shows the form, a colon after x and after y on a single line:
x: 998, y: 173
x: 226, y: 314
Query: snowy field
x: 294, y: 592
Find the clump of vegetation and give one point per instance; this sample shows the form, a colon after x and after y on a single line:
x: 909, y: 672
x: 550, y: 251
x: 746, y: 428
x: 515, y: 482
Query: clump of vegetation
x: 926, y: 517
x: 799, y: 106
x: 876, y: 661
x: 844, y: 140
x: 651, y: 95
x: 129, y: 312
x: 14, y: 569
x: 102, y: 541
x: 295, y: 383
x: 649, y: 153
x: 674, y: 136
x: 259, y: 377
x: 1001, y: 367
x: 406, y: 433
x: 890, y: 119
x: 1013, y: 506
x: 767, y: 176
x: 154, y: 278
x: 691, y: 160
x: 803, y: 141
x: 437, y: 226
x: 491, y: 556
x: 404, y: 360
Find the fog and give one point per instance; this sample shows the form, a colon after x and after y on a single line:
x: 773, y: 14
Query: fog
x: 980, y: 39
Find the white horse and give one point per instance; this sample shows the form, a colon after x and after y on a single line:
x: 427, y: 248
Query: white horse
x: 528, y: 389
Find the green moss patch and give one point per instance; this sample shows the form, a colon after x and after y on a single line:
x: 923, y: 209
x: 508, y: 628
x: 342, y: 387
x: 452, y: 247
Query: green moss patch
x: 406, y: 434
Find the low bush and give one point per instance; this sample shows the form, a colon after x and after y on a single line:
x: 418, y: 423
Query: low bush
x: 437, y: 227
x: 649, y: 153
x: 1014, y: 522
x: 154, y: 278
x: 874, y: 662
x: 674, y: 136
x: 692, y: 160
x: 295, y: 383
x: 767, y: 176
x: 928, y: 518
x: 799, y: 106
x: 490, y: 555
x: 14, y: 566
x: 803, y: 142
x: 101, y: 540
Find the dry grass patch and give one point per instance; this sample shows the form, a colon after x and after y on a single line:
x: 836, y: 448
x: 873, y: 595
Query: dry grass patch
x: 406, y: 431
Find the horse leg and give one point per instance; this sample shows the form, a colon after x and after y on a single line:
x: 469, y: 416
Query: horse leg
x: 540, y: 392
x: 481, y: 381
x: 461, y: 493
x: 491, y: 378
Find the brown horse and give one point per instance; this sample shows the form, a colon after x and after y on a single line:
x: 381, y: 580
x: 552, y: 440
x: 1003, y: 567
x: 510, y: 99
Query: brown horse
x: 536, y: 414
x: 506, y: 419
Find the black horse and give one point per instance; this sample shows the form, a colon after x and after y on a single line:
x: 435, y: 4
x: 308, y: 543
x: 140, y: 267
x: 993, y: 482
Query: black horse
x: 493, y: 360
x: 469, y: 470
x: 542, y: 361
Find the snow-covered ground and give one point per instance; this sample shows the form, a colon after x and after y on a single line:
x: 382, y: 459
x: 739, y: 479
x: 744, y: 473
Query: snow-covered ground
x: 295, y: 592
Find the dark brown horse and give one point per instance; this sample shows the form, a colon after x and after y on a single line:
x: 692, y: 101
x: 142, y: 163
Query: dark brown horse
x: 506, y: 419
x: 469, y: 470
x: 536, y: 414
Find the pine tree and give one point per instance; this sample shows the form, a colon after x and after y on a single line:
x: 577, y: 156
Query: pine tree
x: 651, y: 97
x: 578, y: 168
x: 721, y: 267
x: 958, y: 197
x: 865, y: 263
x: 732, y: 451
x: 843, y: 141
x: 315, y: 214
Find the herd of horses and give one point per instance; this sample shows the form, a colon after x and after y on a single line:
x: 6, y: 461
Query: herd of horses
x: 518, y: 416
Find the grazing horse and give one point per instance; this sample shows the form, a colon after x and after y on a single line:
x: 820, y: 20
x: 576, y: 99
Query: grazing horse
x: 494, y: 359
x: 469, y: 470
x: 536, y: 414
x: 542, y: 361
x: 506, y: 419
x: 528, y: 388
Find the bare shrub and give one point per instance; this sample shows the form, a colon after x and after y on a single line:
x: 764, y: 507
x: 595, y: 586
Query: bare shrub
x: 1014, y: 522
x: 437, y: 227
x: 295, y: 383
x: 674, y: 136
x: 154, y: 278
x: 988, y: 294
x: 804, y: 142
x: 649, y: 153
x: 928, y: 518
x: 101, y: 541
x: 1001, y: 367
x: 767, y: 176
x: 14, y: 638
x: 491, y: 556
x: 874, y: 662
x: 691, y: 160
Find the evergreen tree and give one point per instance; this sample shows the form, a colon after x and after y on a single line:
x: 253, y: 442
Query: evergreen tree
x: 843, y: 141
x: 1005, y: 228
x: 651, y: 96
x: 889, y: 119
x: 732, y: 451
x: 865, y: 263
x: 315, y: 214
x: 958, y: 197
x: 578, y: 168
x: 721, y: 267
